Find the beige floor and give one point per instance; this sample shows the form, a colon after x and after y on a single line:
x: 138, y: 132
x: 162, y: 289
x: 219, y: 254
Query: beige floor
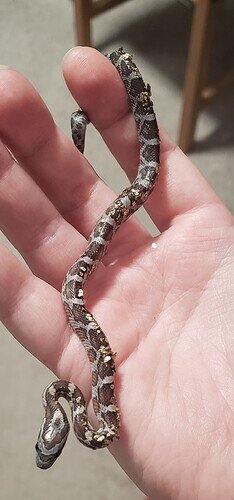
x: 34, y: 38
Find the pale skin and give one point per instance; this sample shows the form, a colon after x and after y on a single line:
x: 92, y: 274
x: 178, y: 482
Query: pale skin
x: 166, y: 308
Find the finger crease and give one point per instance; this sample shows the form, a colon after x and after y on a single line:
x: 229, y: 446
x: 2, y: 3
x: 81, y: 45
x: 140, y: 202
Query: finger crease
x: 80, y: 201
x: 45, y: 234
x: 41, y: 144
x: 114, y: 122
x: 18, y: 297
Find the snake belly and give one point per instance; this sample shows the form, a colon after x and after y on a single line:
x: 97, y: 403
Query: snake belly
x: 55, y: 426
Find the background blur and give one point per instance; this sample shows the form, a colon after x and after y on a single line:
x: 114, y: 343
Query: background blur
x: 34, y: 38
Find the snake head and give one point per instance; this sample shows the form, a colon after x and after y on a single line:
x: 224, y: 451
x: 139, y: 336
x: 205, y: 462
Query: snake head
x: 52, y: 437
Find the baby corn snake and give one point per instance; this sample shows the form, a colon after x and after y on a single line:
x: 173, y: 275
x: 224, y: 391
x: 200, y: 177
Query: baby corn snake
x: 55, y: 427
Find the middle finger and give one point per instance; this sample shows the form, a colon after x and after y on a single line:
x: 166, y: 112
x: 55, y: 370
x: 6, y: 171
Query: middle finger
x: 55, y: 164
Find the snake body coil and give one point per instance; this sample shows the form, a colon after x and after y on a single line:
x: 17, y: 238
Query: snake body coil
x: 55, y: 426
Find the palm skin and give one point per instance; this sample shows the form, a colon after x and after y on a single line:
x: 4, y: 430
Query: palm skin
x: 164, y: 303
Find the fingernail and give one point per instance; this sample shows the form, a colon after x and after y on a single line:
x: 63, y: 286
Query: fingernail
x: 2, y: 66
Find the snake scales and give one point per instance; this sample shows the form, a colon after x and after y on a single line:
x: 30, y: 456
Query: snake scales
x: 55, y: 426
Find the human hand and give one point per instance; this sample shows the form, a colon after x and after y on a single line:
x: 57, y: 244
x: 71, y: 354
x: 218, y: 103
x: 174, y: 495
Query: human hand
x: 165, y: 308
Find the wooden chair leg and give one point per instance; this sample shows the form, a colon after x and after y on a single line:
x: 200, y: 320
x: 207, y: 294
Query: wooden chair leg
x: 83, y: 21
x: 200, y: 39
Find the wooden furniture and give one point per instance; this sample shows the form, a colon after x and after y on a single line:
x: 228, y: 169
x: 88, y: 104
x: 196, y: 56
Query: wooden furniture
x: 85, y: 10
x: 203, y: 22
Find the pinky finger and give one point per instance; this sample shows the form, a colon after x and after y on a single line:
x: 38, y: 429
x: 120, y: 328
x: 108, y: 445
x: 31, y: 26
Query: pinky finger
x: 31, y: 310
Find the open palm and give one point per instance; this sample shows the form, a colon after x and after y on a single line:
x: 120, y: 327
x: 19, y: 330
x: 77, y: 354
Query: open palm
x: 164, y: 302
